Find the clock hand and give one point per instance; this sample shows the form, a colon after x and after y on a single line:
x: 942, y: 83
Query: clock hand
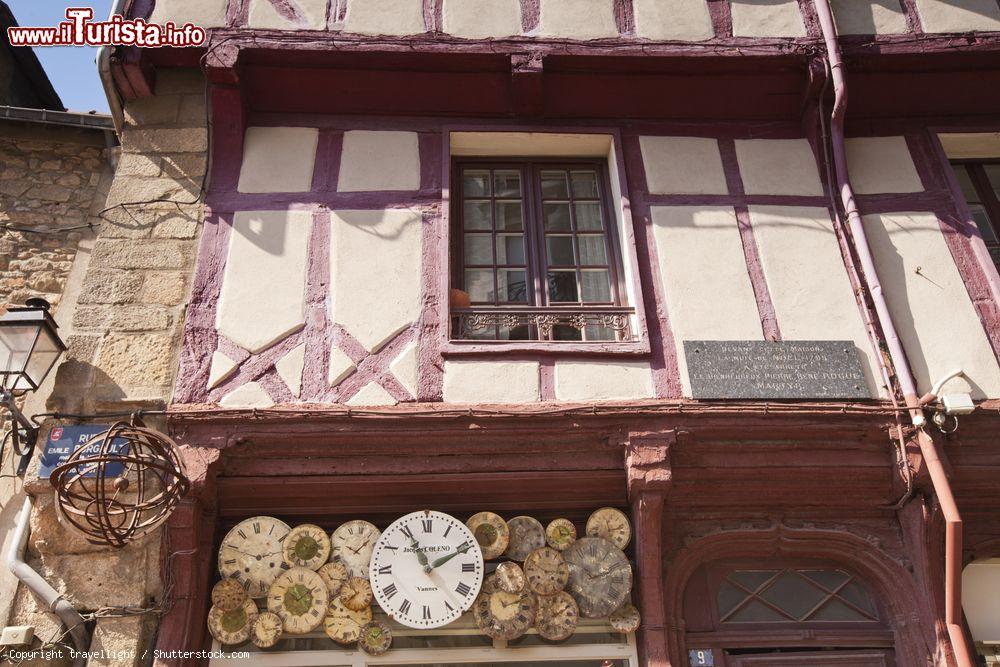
x: 444, y: 559
x: 421, y: 556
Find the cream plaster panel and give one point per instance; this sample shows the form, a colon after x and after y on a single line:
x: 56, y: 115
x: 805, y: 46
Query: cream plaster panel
x: 704, y: 275
x: 305, y: 15
x: 379, y: 161
x: 687, y: 20
x: 807, y: 280
x: 375, y: 273
x: 577, y: 19
x: 278, y: 159
x: 204, y: 13
x: 250, y: 395
x: 405, y: 368
x: 778, y: 167
x: 477, y: 19
x: 385, y: 17
x: 603, y: 380
x: 683, y: 165
x: 767, y: 18
x: 980, y: 592
x: 491, y: 382
x: 340, y: 366
x: 372, y: 394
x: 971, y: 146
x: 263, y: 287
x: 958, y: 15
x: 222, y: 367
x: 869, y: 17
x: 530, y: 144
x: 937, y: 322
x: 290, y: 367
x: 881, y: 164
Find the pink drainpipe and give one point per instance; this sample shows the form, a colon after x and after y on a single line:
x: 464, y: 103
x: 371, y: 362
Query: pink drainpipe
x: 942, y: 487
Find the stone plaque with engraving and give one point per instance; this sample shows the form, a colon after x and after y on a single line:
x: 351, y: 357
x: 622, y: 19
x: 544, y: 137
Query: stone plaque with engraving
x: 816, y: 369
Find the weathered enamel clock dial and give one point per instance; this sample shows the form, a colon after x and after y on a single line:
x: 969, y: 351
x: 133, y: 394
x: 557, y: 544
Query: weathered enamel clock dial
x: 352, y: 545
x: 426, y: 569
x: 306, y: 546
x: 228, y: 594
x: 335, y: 575
x: 251, y: 553
x: 300, y: 598
x: 560, y: 533
x: 491, y: 533
x: 503, y: 615
x: 546, y: 571
x: 232, y: 627
x: 375, y: 639
x: 626, y: 619
x: 356, y: 593
x: 600, y: 576
x: 266, y: 630
x: 557, y: 616
x: 612, y: 525
x: 526, y: 535
x: 510, y: 577
x: 343, y: 625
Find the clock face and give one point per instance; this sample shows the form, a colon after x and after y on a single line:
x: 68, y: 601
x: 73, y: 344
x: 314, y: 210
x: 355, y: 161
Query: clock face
x: 251, y: 553
x: 356, y: 593
x: 426, y: 569
x: 557, y: 616
x: 232, y: 627
x: 491, y: 533
x: 335, y: 575
x: 509, y: 577
x: 343, y: 625
x: 300, y: 597
x: 352, y: 544
x: 266, y: 630
x: 306, y: 546
x: 546, y: 571
x: 526, y: 535
x: 626, y: 619
x: 560, y: 533
x: 228, y: 594
x: 503, y: 615
x: 611, y: 524
x: 375, y: 639
x: 600, y: 577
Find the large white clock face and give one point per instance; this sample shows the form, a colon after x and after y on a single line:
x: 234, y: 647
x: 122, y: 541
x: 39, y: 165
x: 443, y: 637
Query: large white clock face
x: 426, y: 569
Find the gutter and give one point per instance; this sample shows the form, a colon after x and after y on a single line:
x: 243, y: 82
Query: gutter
x: 107, y: 80
x: 939, y: 478
x: 42, y: 590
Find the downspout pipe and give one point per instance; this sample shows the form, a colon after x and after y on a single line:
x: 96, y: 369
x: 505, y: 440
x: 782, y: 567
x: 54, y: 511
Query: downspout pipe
x: 42, y: 590
x: 107, y: 80
x: 939, y: 479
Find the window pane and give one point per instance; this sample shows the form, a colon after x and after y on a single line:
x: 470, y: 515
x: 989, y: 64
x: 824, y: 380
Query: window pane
x: 476, y: 183
x: 584, y: 184
x: 554, y: 185
x: 478, y: 249
x: 835, y: 610
x: 565, y: 332
x: 857, y: 596
x: 510, y: 249
x: 477, y: 215
x: 984, y: 223
x: 793, y: 595
x: 596, y: 285
x: 588, y: 215
x: 968, y: 189
x: 507, y: 183
x: 993, y: 174
x: 556, y: 217
x: 560, y: 250
x: 509, y: 216
x: 592, y: 250
x: 512, y: 285
x: 752, y: 579
x: 755, y: 611
x: 598, y: 332
x: 479, y: 285
x: 827, y: 578
x: 522, y: 332
x: 729, y: 596
x: 562, y: 286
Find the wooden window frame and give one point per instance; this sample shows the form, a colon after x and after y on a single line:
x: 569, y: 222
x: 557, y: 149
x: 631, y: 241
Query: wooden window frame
x: 988, y: 198
x: 536, y: 259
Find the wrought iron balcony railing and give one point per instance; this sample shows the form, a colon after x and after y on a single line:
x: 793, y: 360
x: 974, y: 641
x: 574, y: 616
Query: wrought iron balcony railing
x: 555, y: 324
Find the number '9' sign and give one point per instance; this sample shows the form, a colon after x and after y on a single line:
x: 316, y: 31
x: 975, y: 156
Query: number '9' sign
x: 701, y: 657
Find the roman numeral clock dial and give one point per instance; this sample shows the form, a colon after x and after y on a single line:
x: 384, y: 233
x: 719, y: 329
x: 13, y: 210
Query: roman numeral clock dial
x: 426, y: 569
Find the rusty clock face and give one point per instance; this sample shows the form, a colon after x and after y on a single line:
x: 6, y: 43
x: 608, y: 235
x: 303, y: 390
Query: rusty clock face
x: 503, y: 615
x: 300, y: 598
x: 612, y: 525
x: 546, y: 571
x: 234, y: 626
x: 266, y: 630
x: 251, y: 553
x: 526, y: 535
x: 306, y: 546
x: 557, y: 617
x: 491, y: 533
x: 560, y: 533
x: 228, y: 594
x: 352, y: 544
x: 600, y: 576
x: 343, y: 625
x: 375, y: 638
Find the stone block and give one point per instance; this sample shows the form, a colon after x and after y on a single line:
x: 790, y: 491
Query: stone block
x: 102, y: 286
x: 28, y: 610
x: 186, y: 166
x: 139, y: 317
x: 683, y: 165
x: 192, y: 111
x: 298, y: 15
x: 577, y: 19
x: 176, y: 227
x: 156, y: 110
x: 137, y: 360
x: 481, y: 19
x: 137, y: 164
x: 491, y: 382
x: 385, y: 17
x: 278, y: 159
x: 881, y: 165
x: 120, y: 642
x: 379, y: 161
x: 166, y: 140
x: 869, y: 17
x: 958, y: 15
x: 778, y: 167
x: 91, y: 318
x: 176, y: 81
x: 97, y: 579
x: 603, y: 380
x: 51, y: 192
x: 126, y: 189
x: 686, y: 20
x: 50, y: 537
x: 767, y: 18
x: 123, y: 254
x: 166, y: 288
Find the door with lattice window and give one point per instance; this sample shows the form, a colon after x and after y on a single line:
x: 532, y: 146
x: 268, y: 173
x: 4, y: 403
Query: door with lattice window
x: 824, y: 659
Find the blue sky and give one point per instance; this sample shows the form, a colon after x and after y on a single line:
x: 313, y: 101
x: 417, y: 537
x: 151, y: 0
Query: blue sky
x: 70, y: 68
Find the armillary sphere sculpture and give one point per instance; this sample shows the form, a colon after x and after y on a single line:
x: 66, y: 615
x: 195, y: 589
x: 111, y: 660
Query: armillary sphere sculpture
x: 120, y: 485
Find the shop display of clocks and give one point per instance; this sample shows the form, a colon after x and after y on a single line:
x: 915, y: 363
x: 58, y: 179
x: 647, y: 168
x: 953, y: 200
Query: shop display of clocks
x: 266, y: 630
x: 233, y: 626
x: 343, y: 625
x: 299, y: 597
x: 352, y: 545
x: 526, y: 535
x: 610, y: 524
x: 491, y: 533
x: 557, y: 616
x: 306, y: 546
x: 426, y: 569
x: 600, y: 576
x: 251, y: 553
x: 560, y: 533
x: 546, y: 571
